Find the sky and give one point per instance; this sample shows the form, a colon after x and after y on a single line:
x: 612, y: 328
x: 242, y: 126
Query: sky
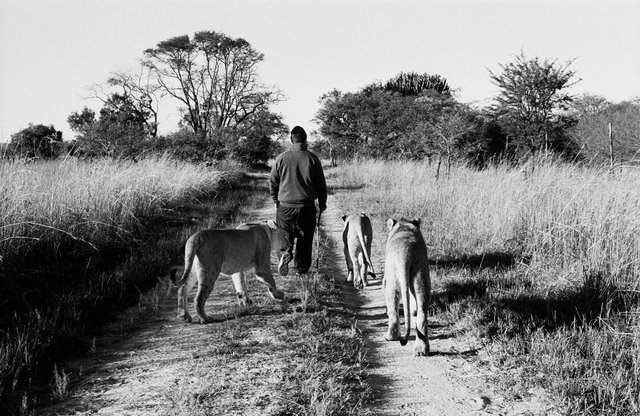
x: 51, y: 51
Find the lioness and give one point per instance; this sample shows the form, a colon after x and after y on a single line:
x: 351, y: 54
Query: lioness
x: 407, y: 271
x: 230, y: 252
x: 356, y: 236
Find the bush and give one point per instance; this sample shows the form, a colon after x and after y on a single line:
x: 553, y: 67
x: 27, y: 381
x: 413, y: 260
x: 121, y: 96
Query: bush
x: 35, y: 142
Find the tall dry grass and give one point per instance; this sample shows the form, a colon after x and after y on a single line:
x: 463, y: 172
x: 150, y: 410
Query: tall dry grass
x: 71, y: 248
x: 565, y: 309
x: 91, y: 204
x: 563, y: 216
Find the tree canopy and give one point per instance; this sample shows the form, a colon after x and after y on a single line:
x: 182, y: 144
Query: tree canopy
x: 591, y: 131
x: 225, y: 110
x: 119, y: 132
x: 409, y: 117
x: 36, y: 142
x: 213, y: 76
x: 531, y: 102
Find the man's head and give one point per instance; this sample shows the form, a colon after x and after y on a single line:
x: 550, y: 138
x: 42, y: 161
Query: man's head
x: 298, y: 135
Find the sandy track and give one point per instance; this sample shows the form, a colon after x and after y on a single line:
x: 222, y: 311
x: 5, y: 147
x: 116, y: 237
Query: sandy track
x: 446, y: 382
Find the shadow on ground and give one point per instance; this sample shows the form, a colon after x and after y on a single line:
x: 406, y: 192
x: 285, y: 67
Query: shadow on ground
x: 509, y: 297
x: 490, y: 260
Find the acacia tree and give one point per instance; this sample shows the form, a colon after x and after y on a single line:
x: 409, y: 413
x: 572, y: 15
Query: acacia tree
x: 213, y: 76
x: 531, y: 94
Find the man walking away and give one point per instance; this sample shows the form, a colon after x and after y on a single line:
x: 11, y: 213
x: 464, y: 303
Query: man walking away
x: 296, y: 181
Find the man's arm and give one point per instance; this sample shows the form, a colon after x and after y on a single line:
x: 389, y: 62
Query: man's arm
x: 274, y: 183
x: 321, y: 185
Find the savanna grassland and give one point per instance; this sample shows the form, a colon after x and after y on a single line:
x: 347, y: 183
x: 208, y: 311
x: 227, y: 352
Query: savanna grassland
x: 78, y: 240
x: 81, y: 241
x: 542, y: 264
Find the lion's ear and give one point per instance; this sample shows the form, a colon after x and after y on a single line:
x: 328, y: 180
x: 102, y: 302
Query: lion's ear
x: 271, y: 224
x: 390, y: 223
x: 344, y: 218
x: 417, y: 222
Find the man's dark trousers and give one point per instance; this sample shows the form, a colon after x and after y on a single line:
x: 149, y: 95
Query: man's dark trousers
x: 297, y: 224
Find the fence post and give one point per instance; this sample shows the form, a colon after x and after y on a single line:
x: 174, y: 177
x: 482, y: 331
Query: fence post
x: 610, y: 148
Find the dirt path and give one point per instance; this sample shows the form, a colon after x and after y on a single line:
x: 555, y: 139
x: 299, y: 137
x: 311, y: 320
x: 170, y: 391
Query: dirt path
x: 159, y: 365
x: 149, y: 368
x: 445, y: 382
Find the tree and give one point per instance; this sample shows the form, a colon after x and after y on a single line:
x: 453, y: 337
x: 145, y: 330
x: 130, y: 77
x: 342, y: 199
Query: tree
x: 119, y: 132
x: 213, y: 76
x: 338, y: 117
x: 412, y: 83
x: 251, y: 142
x: 141, y: 92
x: 532, y: 95
x: 388, y: 121
x: 591, y: 132
x: 36, y: 141
x: 448, y: 123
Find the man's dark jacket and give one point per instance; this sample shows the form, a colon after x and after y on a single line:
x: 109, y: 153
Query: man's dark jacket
x: 297, y: 179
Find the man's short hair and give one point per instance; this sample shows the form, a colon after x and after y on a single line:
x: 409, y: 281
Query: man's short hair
x: 298, y: 135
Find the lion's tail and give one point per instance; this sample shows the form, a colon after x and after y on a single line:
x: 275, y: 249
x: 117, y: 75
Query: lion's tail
x: 407, y: 310
x: 366, y: 254
x: 189, y: 254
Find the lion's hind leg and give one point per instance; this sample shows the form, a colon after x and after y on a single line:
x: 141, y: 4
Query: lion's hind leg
x: 183, y: 297
x: 206, y: 281
x: 355, y: 260
x: 420, y: 291
x: 347, y: 257
x: 392, y: 297
x: 363, y: 269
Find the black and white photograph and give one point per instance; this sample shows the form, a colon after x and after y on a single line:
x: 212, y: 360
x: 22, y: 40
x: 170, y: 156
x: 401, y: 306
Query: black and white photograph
x: 320, y: 207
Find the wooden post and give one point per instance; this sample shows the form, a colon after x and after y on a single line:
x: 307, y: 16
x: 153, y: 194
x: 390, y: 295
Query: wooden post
x: 610, y: 148
x: 546, y: 143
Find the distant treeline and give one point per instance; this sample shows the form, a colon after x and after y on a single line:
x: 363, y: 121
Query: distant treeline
x: 226, y: 114
x: 416, y: 116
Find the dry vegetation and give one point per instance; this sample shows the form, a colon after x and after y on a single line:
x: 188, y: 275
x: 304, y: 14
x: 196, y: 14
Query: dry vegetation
x: 74, y: 238
x: 274, y: 359
x: 82, y: 240
x: 542, y: 264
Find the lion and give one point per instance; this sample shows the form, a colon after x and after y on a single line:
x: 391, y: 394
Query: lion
x: 228, y: 252
x: 407, y: 271
x: 356, y: 236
